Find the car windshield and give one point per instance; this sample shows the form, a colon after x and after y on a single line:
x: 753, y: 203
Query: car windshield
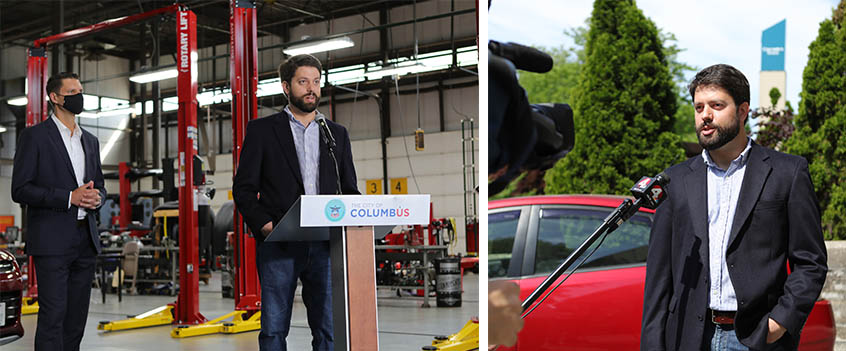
x: 563, y: 229
x: 502, y: 227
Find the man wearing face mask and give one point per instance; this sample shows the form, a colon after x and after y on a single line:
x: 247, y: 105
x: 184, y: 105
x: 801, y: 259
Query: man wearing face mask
x: 735, y: 217
x: 57, y: 176
x: 285, y: 156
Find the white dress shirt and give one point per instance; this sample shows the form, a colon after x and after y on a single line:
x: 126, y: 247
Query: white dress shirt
x: 73, y: 144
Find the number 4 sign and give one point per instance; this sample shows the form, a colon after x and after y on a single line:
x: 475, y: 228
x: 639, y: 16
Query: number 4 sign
x: 399, y: 185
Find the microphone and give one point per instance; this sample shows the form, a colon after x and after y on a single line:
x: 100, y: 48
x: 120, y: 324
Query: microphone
x: 523, y: 57
x: 650, y: 192
x: 321, y: 120
x: 330, y: 142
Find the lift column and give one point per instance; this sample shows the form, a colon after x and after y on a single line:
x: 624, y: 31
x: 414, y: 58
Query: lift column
x: 36, y: 74
x: 188, y: 302
x: 244, y: 81
x: 36, y: 77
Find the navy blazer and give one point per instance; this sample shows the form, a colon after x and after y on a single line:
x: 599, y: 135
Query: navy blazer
x: 777, y: 220
x: 268, y: 180
x: 42, y: 180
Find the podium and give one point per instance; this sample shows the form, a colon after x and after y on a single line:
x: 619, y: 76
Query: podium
x: 361, y: 217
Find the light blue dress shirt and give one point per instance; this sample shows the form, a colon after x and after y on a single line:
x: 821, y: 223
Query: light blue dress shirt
x: 307, y: 143
x: 723, y: 192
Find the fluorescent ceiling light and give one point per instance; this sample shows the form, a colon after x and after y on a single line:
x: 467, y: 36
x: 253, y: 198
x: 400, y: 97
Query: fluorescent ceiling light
x: 118, y: 112
x: 87, y: 114
x: 109, y: 113
x: 2, y: 129
x: 319, y: 46
x: 17, y: 101
x: 154, y: 76
x: 391, y: 70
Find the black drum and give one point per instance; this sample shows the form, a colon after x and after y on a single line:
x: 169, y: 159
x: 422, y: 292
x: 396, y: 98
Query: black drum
x: 448, y: 277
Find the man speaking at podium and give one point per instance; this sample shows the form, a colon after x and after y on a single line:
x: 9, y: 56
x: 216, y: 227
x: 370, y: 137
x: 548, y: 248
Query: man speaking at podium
x: 285, y: 156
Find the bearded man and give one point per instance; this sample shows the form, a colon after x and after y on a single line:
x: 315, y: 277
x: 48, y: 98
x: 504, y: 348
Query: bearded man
x: 735, y: 217
x: 284, y: 157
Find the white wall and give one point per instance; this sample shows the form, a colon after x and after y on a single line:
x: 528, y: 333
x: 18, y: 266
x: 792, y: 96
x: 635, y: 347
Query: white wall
x: 458, y: 103
x: 434, y: 30
x: 14, y: 62
x: 95, y: 70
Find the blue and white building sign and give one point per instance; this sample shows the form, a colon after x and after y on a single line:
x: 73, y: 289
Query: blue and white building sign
x: 363, y: 210
x: 772, y: 47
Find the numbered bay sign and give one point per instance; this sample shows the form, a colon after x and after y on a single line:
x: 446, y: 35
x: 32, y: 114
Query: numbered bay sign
x: 399, y: 185
x: 373, y: 187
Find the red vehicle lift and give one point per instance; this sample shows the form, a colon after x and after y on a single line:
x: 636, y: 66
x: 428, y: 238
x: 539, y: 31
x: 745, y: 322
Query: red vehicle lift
x: 186, y: 308
x: 125, y: 216
x: 244, y: 81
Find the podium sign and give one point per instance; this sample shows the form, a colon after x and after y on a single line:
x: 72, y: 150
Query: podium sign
x: 364, y: 210
x: 353, y: 290
x: 355, y: 318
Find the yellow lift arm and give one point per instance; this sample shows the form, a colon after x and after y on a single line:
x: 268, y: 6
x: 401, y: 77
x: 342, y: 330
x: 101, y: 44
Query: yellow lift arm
x: 466, y: 339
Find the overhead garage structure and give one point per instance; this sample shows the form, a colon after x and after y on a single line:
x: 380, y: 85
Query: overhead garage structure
x: 401, y: 76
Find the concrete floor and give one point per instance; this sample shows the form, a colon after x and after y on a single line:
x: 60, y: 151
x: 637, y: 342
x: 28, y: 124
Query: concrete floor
x: 403, y: 324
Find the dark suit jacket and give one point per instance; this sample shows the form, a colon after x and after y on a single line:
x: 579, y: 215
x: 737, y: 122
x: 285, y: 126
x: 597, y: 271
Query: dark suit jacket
x: 268, y: 180
x: 777, y: 220
x: 42, y: 180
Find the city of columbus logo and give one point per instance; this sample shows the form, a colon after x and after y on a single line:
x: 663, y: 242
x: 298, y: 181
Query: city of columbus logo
x: 335, y: 210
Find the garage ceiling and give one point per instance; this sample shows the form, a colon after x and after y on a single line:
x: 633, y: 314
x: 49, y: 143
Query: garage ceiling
x: 22, y: 22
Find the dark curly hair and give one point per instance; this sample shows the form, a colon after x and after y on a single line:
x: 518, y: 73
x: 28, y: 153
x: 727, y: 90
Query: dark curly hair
x: 287, y: 68
x: 723, y: 76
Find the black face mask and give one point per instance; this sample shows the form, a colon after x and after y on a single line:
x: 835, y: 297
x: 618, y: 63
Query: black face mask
x: 73, y: 103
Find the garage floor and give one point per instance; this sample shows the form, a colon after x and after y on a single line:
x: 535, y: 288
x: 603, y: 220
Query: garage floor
x: 403, y: 324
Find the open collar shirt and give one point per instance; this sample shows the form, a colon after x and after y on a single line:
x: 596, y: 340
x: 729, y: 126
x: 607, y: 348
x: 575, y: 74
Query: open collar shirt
x: 73, y: 144
x: 307, y: 143
x: 723, y: 192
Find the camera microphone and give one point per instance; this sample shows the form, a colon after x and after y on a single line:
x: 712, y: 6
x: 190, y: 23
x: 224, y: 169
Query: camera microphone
x: 648, y: 192
x: 523, y: 57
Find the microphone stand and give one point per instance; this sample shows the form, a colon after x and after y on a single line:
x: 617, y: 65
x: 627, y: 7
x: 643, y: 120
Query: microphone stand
x: 330, y: 143
x: 614, y: 220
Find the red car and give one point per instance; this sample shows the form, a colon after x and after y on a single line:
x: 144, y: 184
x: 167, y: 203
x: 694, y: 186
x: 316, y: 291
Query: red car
x: 601, y: 305
x: 11, y: 294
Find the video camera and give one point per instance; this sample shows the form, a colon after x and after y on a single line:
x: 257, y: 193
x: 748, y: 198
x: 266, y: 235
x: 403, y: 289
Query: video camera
x: 522, y: 135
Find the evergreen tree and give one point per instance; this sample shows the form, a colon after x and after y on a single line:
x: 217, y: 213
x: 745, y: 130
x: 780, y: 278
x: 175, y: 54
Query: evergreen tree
x: 820, y: 134
x: 624, y: 106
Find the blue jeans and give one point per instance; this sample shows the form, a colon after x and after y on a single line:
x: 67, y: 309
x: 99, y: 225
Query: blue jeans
x: 280, y: 264
x: 721, y: 338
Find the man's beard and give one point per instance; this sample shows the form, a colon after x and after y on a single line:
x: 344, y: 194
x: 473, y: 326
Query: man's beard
x: 724, y: 134
x: 300, y: 104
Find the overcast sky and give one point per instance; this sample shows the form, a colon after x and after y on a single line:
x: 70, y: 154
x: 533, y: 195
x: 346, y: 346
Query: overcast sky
x: 722, y: 31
